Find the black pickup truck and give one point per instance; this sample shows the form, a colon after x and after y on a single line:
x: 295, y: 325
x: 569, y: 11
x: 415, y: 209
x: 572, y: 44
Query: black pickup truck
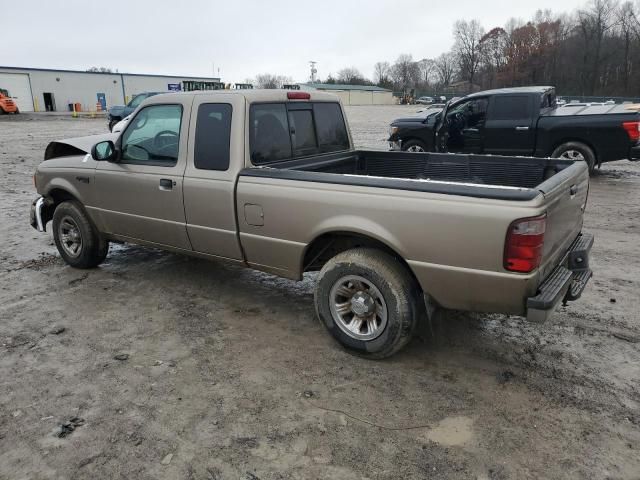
x: 523, y: 121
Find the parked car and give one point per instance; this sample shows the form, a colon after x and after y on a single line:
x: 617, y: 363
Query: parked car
x: 269, y: 179
x: 424, y: 100
x: 118, y: 112
x: 524, y: 121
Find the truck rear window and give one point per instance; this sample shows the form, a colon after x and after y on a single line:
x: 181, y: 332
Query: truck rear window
x: 279, y: 131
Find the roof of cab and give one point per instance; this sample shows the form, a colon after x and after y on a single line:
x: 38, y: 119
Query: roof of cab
x: 253, y: 95
x: 512, y: 90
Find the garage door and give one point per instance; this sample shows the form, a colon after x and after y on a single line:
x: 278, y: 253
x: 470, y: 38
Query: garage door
x: 18, y: 86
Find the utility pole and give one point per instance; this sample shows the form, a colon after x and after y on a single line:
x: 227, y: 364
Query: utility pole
x: 313, y: 70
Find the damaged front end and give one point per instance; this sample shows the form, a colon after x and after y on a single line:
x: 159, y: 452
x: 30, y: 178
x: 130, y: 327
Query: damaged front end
x: 41, y: 213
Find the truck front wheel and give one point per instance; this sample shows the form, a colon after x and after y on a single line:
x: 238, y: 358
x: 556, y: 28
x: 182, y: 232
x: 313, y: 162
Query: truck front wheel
x: 76, y: 238
x: 414, y: 146
x: 576, y: 151
x: 368, y: 301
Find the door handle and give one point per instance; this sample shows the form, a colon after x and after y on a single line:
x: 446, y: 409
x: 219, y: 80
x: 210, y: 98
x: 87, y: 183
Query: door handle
x: 522, y: 129
x: 166, y: 184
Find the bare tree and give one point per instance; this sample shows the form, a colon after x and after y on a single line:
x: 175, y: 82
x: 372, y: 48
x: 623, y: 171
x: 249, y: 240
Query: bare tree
x: 445, y: 68
x: 382, y: 73
x: 493, y: 49
x: 427, y: 68
x: 271, y: 81
x: 594, y: 23
x: 629, y: 27
x: 467, y: 47
x: 100, y: 69
x: 351, y: 76
x: 405, y: 72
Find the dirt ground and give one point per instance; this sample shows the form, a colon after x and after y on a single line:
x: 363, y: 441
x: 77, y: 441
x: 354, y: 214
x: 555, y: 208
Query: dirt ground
x: 161, y: 366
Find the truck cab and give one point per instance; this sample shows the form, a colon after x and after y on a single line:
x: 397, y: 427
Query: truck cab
x: 524, y: 121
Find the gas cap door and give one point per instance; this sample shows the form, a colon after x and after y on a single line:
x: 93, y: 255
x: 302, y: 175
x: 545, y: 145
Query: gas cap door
x: 253, y: 214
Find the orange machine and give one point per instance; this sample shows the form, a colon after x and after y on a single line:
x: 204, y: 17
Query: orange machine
x: 7, y: 105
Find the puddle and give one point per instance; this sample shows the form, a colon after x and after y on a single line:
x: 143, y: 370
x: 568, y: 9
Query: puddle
x: 452, y: 431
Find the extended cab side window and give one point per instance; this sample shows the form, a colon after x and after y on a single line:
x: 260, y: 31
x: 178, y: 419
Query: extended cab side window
x: 213, y: 133
x: 510, y: 107
x: 153, y: 136
x: 269, y: 133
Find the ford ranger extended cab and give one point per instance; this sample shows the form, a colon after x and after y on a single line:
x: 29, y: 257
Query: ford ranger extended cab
x: 270, y: 180
x: 523, y: 121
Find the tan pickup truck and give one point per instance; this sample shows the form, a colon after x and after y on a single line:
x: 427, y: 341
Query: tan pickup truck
x: 270, y: 180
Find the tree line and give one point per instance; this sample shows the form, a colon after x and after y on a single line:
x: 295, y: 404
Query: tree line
x: 594, y: 50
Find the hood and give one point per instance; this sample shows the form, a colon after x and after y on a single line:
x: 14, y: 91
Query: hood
x: 75, y: 146
x: 117, y: 110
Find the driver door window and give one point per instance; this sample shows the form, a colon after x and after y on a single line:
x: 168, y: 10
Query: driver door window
x: 466, y: 125
x: 153, y: 136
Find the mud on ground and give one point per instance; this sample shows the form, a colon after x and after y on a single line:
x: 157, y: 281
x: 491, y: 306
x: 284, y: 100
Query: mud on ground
x: 160, y: 366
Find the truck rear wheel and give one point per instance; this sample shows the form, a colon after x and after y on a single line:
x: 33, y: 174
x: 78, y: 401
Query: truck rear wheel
x: 368, y: 301
x: 576, y: 151
x: 76, y: 238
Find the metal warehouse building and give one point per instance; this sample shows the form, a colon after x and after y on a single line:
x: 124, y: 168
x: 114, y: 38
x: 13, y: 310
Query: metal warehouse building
x: 39, y: 89
x: 355, y: 94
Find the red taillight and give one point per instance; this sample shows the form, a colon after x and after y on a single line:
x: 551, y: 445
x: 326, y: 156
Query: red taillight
x: 523, y: 247
x: 633, y: 130
x: 298, y: 95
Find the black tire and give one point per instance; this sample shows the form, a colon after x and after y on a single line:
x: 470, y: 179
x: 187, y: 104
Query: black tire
x: 415, y: 146
x: 564, y: 151
x: 71, y: 218
x: 401, y: 294
x: 112, y: 123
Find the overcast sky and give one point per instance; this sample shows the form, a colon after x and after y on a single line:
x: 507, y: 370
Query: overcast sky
x: 241, y: 38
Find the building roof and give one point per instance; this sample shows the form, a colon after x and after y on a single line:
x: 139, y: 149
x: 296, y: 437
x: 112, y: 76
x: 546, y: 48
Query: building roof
x: 213, y: 79
x: 340, y: 86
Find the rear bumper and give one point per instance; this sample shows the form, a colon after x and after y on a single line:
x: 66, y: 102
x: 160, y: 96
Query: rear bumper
x: 565, y: 283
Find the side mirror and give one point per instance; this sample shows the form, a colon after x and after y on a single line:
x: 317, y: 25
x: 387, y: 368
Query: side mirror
x: 104, y: 151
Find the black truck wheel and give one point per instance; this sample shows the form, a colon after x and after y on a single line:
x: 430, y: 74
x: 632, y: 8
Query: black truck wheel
x: 368, y: 301
x: 414, y: 146
x: 576, y: 151
x: 76, y: 238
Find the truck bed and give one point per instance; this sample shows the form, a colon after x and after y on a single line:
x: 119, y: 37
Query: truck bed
x: 485, y: 176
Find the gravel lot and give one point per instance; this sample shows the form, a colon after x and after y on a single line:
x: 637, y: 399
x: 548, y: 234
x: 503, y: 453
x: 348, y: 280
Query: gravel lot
x: 162, y: 366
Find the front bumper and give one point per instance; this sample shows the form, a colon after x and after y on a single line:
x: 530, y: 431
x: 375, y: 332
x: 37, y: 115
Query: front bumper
x: 566, y: 283
x: 35, y: 216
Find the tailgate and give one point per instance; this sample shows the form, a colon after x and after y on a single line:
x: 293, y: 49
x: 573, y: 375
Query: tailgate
x: 565, y: 197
